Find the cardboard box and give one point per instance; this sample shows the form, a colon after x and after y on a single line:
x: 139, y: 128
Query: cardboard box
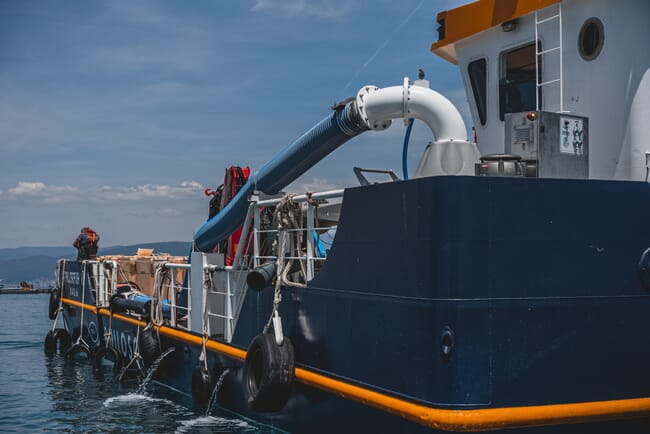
x: 140, y: 269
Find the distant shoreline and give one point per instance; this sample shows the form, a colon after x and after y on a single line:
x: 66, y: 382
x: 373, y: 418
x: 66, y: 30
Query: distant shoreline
x: 22, y: 291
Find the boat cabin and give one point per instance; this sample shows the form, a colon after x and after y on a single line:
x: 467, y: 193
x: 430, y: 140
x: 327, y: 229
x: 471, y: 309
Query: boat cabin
x: 579, y: 57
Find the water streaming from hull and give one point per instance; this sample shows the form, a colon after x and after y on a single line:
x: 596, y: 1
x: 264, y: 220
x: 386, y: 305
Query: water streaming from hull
x: 46, y: 392
x: 215, y: 391
x: 152, y: 370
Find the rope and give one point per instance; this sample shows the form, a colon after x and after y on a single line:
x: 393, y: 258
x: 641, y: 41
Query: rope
x: 126, y: 279
x: 60, y: 270
x: 161, y: 275
x: 286, y: 218
x: 136, y: 358
x: 207, y: 284
x: 109, y: 334
x: 83, y: 298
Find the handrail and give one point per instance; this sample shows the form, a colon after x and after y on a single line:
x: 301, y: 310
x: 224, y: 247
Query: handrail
x: 247, y: 256
x: 174, y: 308
x: 303, y: 197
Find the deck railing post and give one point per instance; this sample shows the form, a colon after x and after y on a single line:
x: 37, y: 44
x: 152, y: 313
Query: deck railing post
x: 310, y: 242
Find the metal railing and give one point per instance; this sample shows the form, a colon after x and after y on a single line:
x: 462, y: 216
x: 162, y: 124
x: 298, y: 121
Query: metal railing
x: 223, y: 288
x: 310, y: 229
x: 219, y: 296
x: 104, y: 276
x: 245, y: 260
x: 175, y: 292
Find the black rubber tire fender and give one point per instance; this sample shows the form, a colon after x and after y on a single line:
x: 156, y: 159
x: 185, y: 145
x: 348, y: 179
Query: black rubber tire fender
x: 101, y: 353
x: 268, y: 373
x: 55, y: 301
x: 202, y: 384
x: 149, y: 346
x: 57, y: 339
x: 77, y: 349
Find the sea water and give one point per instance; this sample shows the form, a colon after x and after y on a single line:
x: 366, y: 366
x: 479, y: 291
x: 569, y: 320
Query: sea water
x: 47, y: 393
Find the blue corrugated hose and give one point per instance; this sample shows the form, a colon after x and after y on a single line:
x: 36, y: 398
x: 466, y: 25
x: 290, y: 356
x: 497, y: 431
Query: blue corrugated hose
x: 293, y: 161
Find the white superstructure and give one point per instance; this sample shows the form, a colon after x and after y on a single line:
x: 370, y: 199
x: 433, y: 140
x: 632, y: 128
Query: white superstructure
x: 596, y: 56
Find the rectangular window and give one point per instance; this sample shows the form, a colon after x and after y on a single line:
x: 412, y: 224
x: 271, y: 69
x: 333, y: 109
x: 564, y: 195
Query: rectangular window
x: 517, y: 84
x: 477, y: 71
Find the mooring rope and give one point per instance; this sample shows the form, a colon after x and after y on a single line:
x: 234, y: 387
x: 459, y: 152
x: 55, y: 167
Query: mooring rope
x: 207, y: 284
x: 287, y: 215
x: 83, y: 298
x: 109, y: 333
x: 161, y: 275
x: 285, y: 219
x: 136, y: 357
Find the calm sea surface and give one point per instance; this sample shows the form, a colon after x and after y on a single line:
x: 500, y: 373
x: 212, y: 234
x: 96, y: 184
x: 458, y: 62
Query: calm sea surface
x: 47, y: 393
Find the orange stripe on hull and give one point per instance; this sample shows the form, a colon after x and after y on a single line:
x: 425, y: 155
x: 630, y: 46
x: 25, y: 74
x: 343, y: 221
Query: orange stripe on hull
x: 485, y: 419
x: 75, y: 303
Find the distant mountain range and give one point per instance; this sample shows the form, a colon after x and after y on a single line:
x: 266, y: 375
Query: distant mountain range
x: 36, y: 264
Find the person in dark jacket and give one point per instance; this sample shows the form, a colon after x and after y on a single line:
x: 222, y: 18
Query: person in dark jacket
x: 86, y: 244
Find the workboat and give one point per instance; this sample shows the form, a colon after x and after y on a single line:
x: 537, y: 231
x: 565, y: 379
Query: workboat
x: 504, y: 287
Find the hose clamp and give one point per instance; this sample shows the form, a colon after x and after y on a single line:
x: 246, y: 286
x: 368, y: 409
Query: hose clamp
x: 406, y: 96
x: 362, y: 108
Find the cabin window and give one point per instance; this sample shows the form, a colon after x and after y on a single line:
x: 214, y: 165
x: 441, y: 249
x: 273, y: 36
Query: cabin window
x: 591, y: 39
x: 477, y: 71
x: 517, y: 84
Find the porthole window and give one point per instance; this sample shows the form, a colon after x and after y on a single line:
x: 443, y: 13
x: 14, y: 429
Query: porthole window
x: 591, y: 39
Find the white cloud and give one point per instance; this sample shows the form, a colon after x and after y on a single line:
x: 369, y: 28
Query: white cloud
x: 26, y: 190
x: 191, y: 184
x: 329, y: 9
x: 149, y: 191
x: 313, y: 185
x: 40, y: 191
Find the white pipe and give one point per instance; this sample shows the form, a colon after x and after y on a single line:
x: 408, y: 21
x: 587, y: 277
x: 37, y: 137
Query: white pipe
x: 379, y: 106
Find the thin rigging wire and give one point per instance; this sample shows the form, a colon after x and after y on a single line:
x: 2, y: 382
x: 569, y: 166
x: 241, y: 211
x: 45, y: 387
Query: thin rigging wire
x: 384, y: 44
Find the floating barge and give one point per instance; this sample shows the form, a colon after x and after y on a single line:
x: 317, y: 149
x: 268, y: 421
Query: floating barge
x: 9, y: 290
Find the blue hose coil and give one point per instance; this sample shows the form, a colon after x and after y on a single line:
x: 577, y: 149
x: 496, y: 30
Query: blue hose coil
x: 284, y: 168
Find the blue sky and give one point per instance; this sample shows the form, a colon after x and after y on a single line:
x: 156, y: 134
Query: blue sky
x: 117, y: 114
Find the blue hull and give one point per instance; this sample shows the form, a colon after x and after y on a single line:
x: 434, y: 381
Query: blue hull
x: 454, y: 293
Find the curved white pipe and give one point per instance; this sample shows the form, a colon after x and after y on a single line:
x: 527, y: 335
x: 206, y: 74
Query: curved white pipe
x: 379, y: 106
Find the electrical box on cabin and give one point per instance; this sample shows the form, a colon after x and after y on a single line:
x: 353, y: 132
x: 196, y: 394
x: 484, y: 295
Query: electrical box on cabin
x: 557, y: 143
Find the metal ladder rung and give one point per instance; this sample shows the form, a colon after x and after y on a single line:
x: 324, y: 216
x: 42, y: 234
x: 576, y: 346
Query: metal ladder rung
x: 548, y: 19
x: 548, y: 82
x: 220, y: 316
x: 538, y: 56
x: 539, y: 53
x: 221, y: 293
